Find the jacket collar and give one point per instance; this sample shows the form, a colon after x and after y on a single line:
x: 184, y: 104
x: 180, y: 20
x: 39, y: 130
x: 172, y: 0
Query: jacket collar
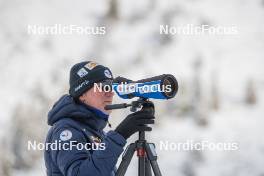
x: 66, y: 107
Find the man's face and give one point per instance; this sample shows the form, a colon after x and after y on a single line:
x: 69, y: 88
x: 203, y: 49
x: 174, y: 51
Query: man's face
x: 97, y: 99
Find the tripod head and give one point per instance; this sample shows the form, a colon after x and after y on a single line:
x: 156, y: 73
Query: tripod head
x: 143, y: 103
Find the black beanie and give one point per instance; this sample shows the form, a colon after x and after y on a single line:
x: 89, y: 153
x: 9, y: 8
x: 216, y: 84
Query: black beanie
x: 83, y: 75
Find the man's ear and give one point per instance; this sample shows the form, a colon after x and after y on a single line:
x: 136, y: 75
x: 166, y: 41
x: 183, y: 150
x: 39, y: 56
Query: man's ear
x: 81, y: 98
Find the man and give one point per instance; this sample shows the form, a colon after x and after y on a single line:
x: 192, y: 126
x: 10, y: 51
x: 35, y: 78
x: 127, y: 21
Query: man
x: 78, y: 119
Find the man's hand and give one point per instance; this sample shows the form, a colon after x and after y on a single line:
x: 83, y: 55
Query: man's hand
x: 135, y: 122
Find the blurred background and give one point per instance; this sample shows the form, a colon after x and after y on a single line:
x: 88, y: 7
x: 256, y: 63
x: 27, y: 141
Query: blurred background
x: 220, y: 97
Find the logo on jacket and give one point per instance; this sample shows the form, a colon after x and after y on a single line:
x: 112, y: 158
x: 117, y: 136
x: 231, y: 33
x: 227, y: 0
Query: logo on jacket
x: 65, y: 135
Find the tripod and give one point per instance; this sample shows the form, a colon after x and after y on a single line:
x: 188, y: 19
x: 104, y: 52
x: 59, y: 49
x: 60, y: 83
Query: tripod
x: 147, y: 156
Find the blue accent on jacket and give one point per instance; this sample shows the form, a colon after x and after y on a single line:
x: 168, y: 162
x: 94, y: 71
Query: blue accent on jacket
x: 85, y: 124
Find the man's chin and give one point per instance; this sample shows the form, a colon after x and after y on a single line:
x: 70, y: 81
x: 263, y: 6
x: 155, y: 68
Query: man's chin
x: 108, y: 112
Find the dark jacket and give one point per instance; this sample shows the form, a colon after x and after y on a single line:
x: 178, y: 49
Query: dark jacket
x: 74, y: 123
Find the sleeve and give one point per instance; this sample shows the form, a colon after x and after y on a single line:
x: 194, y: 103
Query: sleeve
x: 73, y: 159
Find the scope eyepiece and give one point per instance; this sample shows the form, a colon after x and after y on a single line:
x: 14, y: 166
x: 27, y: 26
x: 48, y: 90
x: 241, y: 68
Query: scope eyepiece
x: 170, y: 80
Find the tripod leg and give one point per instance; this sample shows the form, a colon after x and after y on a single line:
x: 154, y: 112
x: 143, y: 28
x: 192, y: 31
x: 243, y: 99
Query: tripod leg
x: 152, y: 156
x: 141, y: 161
x: 148, y: 167
x: 155, y: 168
x: 144, y: 167
x: 126, y: 159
